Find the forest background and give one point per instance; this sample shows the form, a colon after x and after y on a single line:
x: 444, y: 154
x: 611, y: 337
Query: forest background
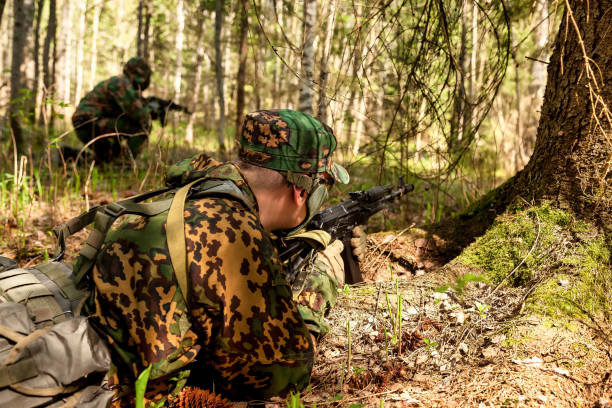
x: 448, y: 94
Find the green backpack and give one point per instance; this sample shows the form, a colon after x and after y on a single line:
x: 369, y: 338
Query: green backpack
x: 41, y: 305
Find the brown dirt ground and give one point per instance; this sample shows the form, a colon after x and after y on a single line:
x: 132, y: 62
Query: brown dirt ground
x: 449, y: 355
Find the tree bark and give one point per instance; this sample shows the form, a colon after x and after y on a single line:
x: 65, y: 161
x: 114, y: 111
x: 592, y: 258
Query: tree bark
x: 24, y: 14
x: 219, y: 73
x: 306, y: 84
x: 242, y: 58
x: 572, y: 158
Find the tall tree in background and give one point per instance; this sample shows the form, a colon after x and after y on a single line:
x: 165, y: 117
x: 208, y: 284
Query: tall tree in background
x: 2, y: 4
x: 49, y: 58
x: 323, y: 69
x: 197, y: 80
x: 80, y: 51
x: 148, y: 12
x: 24, y: 15
x: 65, y: 51
x: 572, y: 160
x: 219, y: 72
x: 39, y: 11
x: 242, y: 59
x: 180, y: 36
x: 306, y: 83
x: 97, y: 9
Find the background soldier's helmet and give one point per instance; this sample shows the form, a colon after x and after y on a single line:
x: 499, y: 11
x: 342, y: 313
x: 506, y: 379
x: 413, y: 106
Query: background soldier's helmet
x: 138, y: 71
x: 289, y: 141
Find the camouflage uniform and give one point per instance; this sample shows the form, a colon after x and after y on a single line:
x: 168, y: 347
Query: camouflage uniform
x: 242, y: 331
x: 115, y: 106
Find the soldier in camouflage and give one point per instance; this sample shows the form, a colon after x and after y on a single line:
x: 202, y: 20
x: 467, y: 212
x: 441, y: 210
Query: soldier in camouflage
x: 113, y: 110
x: 240, y: 330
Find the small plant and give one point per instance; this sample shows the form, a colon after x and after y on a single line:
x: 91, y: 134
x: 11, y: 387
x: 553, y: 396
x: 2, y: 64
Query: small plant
x: 461, y: 283
x: 294, y: 401
x: 481, y: 308
x: 430, y: 343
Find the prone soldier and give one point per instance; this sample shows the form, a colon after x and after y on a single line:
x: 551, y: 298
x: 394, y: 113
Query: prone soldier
x: 216, y: 311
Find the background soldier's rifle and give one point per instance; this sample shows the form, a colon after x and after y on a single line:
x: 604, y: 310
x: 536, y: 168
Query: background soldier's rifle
x: 339, y: 222
x: 160, y: 108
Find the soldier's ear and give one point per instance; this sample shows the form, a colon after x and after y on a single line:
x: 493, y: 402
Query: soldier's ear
x: 299, y: 195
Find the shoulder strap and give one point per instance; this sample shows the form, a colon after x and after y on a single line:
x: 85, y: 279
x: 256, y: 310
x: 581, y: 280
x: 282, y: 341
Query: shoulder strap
x: 175, y: 236
x: 175, y: 225
x: 103, y: 218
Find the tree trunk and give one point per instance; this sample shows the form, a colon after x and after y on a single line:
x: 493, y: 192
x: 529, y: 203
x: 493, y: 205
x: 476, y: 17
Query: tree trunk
x: 197, y: 81
x: 572, y: 158
x: 323, y: 70
x: 49, y: 57
x: 242, y: 58
x: 180, y: 34
x: 458, y: 125
x: 2, y: 4
x: 24, y: 14
x: 36, y: 86
x: 306, y: 84
x: 66, y: 51
x: 147, y: 27
x: 80, y: 51
x: 140, y: 29
x: 219, y: 73
x: 97, y: 9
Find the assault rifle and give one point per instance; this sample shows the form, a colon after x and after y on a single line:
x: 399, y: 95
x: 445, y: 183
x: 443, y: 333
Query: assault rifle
x: 160, y: 108
x: 339, y: 222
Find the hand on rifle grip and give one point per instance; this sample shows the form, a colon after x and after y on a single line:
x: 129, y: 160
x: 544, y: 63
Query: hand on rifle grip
x: 358, y: 243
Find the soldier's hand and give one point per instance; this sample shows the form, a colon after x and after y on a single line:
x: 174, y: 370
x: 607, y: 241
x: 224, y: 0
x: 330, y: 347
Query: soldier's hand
x: 331, y: 257
x: 358, y: 243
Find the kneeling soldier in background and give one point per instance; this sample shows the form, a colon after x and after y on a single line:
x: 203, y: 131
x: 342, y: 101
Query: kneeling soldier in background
x: 115, y: 109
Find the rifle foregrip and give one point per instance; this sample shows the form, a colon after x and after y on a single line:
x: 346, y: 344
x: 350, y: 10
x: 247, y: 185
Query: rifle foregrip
x: 352, y: 271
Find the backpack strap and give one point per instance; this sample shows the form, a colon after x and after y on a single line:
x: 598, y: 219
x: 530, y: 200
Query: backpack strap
x: 175, y: 224
x: 175, y: 237
x: 105, y: 217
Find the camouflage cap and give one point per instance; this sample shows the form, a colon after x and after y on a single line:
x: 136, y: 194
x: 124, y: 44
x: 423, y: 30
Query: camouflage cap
x: 287, y: 140
x: 137, y: 70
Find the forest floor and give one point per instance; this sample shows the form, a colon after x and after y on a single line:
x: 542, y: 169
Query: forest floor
x: 400, y: 340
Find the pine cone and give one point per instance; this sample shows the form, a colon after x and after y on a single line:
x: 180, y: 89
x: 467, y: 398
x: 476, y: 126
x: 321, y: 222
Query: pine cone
x: 193, y: 397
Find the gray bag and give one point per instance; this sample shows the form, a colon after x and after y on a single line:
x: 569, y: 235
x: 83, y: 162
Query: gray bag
x: 48, y: 356
x: 54, y: 366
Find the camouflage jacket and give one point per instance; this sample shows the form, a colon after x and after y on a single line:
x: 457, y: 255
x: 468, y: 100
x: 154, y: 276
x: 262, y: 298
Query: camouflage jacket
x: 113, y: 98
x: 241, y: 331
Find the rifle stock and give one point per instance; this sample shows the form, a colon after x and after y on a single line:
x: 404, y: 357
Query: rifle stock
x: 339, y: 222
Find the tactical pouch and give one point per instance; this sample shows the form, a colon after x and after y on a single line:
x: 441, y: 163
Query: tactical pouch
x: 46, y: 290
x: 55, y: 366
